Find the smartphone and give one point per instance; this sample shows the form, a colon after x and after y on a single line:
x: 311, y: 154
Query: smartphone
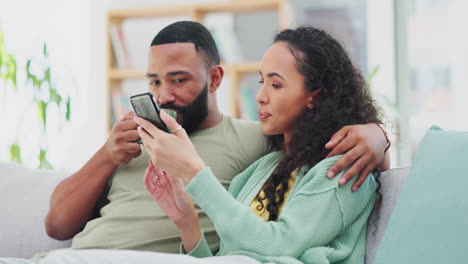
x: 146, y: 107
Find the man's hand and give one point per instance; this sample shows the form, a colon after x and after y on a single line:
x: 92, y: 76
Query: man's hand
x: 364, y: 148
x: 121, y: 147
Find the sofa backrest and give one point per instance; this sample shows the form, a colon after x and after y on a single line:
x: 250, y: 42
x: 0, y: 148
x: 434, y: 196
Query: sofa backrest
x: 392, y: 180
x: 24, y: 203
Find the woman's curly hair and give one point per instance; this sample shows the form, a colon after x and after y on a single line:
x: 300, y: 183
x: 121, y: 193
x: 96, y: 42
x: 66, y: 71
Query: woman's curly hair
x: 343, y: 99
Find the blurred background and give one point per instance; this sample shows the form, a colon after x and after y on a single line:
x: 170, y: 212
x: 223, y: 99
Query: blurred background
x: 67, y: 68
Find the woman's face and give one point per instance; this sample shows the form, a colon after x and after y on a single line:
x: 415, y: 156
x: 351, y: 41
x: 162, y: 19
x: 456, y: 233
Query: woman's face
x: 282, y: 97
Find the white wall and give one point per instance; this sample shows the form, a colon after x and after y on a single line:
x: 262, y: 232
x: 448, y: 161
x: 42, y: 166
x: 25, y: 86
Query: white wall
x: 381, y: 52
x: 67, y: 28
x: 76, y: 34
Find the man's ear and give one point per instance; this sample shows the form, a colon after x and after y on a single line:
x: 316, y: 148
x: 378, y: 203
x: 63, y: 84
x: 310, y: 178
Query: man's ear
x: 216, y: 76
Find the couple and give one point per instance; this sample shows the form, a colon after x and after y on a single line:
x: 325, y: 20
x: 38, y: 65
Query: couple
x: 281, y: 209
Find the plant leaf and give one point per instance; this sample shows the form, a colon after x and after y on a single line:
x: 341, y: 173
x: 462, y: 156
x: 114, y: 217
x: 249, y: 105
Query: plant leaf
x: 44, y: 50
x: 55, y: 97
x: 28, y: 66
x: 1, y: 61
x: 43, y: 162
x: 47, y: 75
x: 15, y: 153
x: 41, y: 110
x: 372, y: 74
x: 12, y: 71
x: 68, y: 113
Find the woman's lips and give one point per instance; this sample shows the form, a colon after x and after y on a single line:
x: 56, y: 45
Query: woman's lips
x: 262, y: 115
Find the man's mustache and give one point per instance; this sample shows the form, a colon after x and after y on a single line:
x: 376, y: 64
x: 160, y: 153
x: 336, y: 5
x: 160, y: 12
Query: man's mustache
x: 172, y: 106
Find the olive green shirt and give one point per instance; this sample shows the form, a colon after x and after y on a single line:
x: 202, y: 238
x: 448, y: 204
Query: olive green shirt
x: 133, y: 220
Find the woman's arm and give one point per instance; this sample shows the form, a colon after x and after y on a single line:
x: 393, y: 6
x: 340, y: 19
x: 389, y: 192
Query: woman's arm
x: 312, y: 218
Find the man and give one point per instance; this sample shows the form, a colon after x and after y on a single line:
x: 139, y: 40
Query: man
x: 183, y: 74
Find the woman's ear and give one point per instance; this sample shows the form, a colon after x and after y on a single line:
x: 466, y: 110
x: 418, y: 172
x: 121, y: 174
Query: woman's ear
x: 310, y: 103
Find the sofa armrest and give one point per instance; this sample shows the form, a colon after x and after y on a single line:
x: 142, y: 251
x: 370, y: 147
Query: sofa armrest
x: 24, y: 203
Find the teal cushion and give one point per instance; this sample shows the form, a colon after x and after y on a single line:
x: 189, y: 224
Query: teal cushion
x: 430, y: 221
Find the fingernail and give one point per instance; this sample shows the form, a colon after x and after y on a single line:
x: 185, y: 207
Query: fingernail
x: 354, y: 188
x: 342, y: 181
x: 330, y: 174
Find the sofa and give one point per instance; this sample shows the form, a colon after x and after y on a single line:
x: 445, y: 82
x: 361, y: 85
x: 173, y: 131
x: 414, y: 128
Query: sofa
x: 25, y: 201
x: 422, y: 218
x: 24, y: 204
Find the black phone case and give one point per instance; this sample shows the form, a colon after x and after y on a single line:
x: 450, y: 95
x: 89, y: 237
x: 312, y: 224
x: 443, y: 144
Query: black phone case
x: 145, y: 107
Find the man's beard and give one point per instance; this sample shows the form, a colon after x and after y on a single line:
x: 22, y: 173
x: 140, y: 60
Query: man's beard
x: 193, y: 114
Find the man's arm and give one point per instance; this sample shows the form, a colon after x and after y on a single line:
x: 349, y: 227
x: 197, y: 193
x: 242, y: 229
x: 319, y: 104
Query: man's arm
x: 74, y: 200
x: 365, y: 148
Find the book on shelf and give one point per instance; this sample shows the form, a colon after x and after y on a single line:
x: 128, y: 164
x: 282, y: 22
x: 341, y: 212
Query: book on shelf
x: 120, y: 97
x: 120, y: 105
x: 119, y: 47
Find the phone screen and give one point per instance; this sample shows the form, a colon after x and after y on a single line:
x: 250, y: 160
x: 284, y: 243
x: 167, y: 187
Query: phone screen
x: 146, y: 107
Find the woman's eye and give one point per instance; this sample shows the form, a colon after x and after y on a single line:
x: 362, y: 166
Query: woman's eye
x: 276, y: 86
x: 260, y: 82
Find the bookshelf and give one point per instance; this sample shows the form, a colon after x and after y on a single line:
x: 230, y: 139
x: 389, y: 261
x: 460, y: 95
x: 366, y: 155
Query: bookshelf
x: 197, y: 12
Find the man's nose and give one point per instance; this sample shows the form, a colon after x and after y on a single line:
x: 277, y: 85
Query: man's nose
x: 165, y: 95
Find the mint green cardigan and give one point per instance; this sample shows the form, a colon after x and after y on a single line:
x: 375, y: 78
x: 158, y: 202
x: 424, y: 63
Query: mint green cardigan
x: 321, y: 222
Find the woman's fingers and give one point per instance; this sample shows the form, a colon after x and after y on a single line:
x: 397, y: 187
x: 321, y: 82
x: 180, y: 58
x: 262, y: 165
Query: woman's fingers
x: 147, y: 179
x: 172, y: 124
x: 149, y: 128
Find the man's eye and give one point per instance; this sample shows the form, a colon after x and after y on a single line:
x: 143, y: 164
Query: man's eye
x: 154, y: 83
x: 179, y: 80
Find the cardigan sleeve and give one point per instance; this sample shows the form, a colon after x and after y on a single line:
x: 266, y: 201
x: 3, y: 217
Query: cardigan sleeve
x: 311, y: 218
x: 201, y: 250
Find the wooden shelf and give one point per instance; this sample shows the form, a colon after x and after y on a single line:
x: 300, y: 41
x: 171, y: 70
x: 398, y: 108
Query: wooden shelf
x: 238, y: 6
x: 197, y: 10
x: 248, y: 67
x: 122, y: 74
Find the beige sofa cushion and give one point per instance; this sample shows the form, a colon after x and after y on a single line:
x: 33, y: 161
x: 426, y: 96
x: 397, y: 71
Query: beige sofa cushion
x: 24, y: 202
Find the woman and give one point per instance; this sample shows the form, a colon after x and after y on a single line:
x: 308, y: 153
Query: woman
x: 309, y: 90
x: 283, y: 208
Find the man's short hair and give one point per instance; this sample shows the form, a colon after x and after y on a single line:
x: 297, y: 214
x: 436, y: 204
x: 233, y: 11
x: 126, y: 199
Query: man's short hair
x: 190, y: 32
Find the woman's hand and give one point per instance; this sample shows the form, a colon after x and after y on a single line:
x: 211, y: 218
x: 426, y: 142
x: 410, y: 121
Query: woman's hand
x: 173, y: 153
x: 169, y: 193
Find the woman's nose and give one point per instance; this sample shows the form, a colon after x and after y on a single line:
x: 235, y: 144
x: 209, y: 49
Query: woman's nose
x: 261, y: 97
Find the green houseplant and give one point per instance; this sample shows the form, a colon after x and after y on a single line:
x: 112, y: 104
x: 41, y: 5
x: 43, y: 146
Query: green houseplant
x: 38, y: 78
